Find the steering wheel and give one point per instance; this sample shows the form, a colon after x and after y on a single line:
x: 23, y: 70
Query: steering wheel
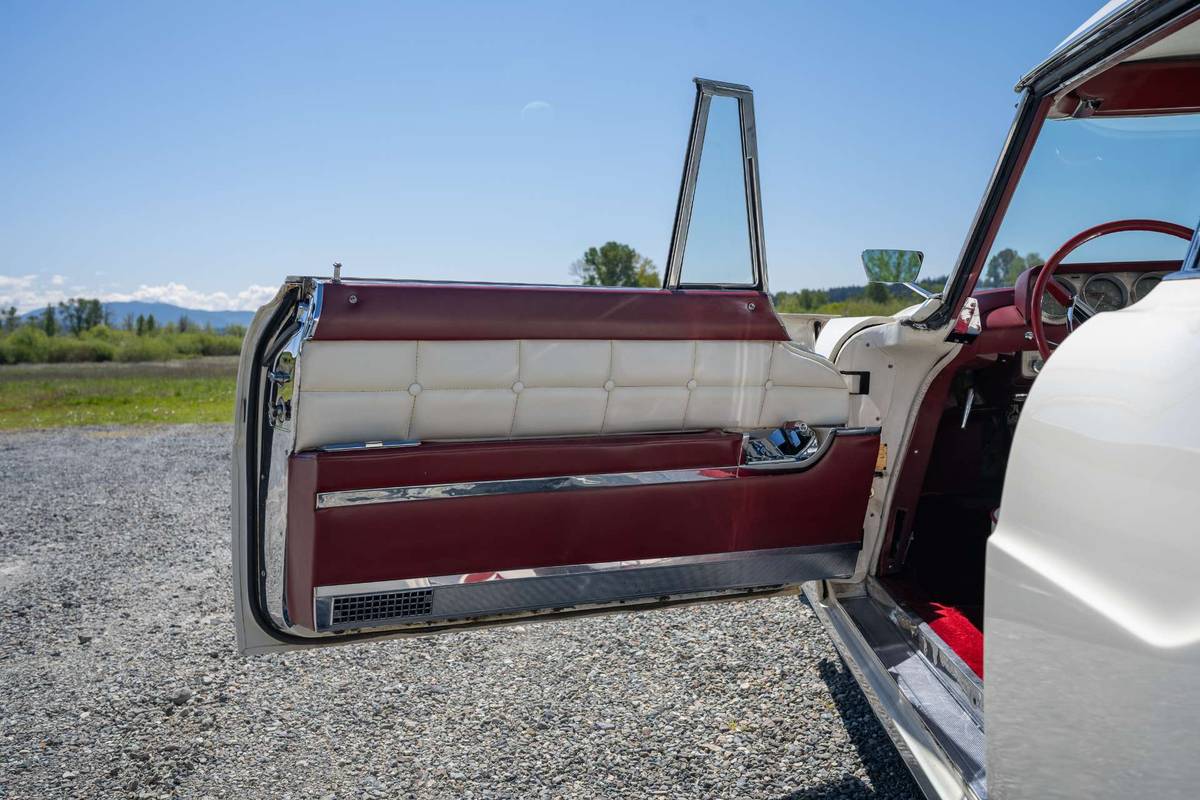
x: 1043, y: 283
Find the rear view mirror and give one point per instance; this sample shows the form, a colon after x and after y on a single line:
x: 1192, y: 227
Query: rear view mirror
x: 895, y: 268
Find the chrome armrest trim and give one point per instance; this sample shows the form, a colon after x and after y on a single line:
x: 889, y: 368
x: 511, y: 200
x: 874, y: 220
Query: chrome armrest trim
x: 377, y: 444
x: 558, y: 483
x: 561, y: 483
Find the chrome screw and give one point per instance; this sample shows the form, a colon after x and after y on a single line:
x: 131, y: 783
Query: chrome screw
x: 353, y: 299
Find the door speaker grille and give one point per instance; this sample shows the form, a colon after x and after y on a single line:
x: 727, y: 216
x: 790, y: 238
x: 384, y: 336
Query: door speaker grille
x: 382, y: 605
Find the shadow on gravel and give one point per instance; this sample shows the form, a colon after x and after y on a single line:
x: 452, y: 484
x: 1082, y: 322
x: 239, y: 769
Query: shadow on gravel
x: 888, y: 776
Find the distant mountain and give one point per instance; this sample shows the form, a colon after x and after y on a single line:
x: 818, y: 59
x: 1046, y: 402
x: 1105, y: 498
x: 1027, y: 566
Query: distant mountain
x: 165, y: 313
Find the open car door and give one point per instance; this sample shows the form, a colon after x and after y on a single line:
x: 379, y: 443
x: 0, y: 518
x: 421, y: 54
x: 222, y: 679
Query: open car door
x: 415, y: 457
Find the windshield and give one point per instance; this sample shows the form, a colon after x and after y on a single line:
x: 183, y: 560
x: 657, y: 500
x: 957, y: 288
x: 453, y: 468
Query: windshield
x: 1083, y: 172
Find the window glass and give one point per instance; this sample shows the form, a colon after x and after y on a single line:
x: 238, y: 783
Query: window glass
x: 1083, y: 172
x: 717, y: 250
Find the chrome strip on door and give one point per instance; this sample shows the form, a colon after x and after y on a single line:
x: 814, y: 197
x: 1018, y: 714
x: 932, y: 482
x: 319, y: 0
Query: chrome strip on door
x: 822, y: 441
x: 442, y: 491
x: 529, y: 591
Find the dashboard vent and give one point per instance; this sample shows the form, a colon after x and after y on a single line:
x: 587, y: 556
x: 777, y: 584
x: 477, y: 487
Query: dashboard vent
x: 350, y: 609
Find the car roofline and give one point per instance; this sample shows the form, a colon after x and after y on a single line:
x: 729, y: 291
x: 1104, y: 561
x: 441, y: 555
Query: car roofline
x: 1116, y: 25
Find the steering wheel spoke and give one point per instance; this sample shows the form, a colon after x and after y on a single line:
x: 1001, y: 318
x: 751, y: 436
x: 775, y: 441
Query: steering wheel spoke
x: 1060, y: 293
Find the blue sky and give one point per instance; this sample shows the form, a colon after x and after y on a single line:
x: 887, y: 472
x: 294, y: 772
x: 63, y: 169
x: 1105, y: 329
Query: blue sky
x: 201, y: 152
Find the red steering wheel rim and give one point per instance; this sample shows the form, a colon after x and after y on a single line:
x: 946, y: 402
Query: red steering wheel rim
x: 1047, y: 271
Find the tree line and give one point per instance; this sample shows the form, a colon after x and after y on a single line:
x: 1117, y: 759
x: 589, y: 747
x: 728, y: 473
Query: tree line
x: 81, y: 329
x: 617, y: 264
x: 79, y: 315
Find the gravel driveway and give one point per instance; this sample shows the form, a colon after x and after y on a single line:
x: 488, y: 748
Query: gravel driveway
x: 118, y: 675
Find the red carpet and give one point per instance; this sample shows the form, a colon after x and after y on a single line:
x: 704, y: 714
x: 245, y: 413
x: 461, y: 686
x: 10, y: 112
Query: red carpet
x: 957, y: 631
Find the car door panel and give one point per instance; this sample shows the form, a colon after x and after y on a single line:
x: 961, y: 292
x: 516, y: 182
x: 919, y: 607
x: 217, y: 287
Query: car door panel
x: 434, y: 463
x: 418, y: 515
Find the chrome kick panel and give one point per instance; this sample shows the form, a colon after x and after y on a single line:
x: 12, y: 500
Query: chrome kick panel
x: 452, y: 599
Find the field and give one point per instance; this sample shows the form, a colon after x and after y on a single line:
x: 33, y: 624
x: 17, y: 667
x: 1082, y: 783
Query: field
x: 110, y: 393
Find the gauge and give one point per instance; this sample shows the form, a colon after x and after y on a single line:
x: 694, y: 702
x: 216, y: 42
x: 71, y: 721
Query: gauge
x: 1052, y: 310
x: 1104, y: 293
x: 1143, y: 285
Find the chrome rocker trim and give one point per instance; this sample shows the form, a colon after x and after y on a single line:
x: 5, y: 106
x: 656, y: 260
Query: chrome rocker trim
x: 463, y: 598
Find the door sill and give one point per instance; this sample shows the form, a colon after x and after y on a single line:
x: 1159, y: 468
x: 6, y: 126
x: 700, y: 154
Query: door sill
x: 958, y: 676
x: 935, y: 722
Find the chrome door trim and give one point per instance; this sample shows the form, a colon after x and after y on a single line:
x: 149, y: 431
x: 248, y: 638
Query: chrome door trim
x: 374, y: 444
x: 706, y: 90
x: 298, y: 326
x: 467, y: 597
x: 558, y: 483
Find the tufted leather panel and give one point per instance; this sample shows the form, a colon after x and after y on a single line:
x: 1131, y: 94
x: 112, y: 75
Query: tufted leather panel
x: 497, y: 389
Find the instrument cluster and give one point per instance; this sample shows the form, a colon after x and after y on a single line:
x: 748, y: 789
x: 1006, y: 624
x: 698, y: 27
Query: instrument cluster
x: 1103, y: 291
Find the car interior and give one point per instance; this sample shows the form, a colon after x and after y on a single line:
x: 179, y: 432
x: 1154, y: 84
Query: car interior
x: 1142, y: 114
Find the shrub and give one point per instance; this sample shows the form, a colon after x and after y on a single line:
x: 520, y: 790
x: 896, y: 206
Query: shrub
x: 146, y: 348
x: 68, y: 348
x: 103, y: 333
x: 187, y: 344
x: 213, y: 344
x: 27, y: 345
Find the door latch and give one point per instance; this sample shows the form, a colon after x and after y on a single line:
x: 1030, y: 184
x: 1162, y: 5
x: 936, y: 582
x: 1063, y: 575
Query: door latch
x: 282, y: 382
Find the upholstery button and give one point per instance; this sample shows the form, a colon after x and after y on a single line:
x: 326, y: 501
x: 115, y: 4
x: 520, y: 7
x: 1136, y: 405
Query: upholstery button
x: 769, y: 384
x: 691, y: 384
x: 415, y: 389
x: 518, y: 386
x: 609, y: 386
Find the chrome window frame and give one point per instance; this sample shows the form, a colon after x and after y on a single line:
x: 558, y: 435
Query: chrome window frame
x: 1101, y: 44
x: 1191, y: 261
x: 706, y: 90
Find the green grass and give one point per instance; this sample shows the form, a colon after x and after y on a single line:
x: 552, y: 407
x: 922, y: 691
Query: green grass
x: 58, y: 395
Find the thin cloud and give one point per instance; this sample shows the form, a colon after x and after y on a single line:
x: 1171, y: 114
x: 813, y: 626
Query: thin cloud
x: 537, y: 110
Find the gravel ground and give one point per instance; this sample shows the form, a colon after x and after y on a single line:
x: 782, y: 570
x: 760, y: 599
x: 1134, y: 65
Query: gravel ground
x: 118, y: 675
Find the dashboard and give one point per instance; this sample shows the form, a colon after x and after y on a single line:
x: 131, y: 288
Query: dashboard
x: 1103, y: 291
x: 1106, y: 286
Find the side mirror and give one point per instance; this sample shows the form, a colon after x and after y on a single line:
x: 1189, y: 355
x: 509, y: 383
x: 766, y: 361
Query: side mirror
x: 895, y: 268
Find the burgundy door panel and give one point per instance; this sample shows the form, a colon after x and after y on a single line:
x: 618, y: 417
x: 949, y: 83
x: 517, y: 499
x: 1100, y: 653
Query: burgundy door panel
x: 822, y: 505
x: 450, y: 462
x: 418, y: 311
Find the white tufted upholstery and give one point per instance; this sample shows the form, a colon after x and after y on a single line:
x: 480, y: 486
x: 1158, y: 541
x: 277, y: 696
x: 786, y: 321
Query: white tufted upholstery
x: 358, y: 390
